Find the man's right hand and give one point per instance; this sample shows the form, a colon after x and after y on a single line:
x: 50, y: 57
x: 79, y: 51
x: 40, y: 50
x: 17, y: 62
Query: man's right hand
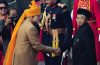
x: 8, y: 21
x: 56, y: 51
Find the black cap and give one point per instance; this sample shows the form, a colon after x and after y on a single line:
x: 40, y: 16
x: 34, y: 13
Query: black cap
x: 85, y: 12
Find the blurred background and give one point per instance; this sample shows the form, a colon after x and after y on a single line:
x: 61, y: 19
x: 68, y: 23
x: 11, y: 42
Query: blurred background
x: 23, y: 4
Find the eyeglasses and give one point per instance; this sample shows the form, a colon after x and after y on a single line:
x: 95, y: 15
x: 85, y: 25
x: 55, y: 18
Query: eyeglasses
x: 3, y: 8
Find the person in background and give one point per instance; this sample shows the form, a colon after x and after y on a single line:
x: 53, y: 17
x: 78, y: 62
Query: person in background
x: 3, y: 16
x: 43, y: 5
x: 64, y: 25
x: 5, y: 25
x: 13, y: 15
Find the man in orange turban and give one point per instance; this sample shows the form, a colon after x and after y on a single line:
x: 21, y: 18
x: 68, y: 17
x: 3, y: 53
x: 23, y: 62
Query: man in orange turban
x: 24, y: 43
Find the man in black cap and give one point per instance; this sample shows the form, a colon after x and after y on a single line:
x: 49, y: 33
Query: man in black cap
x: 83, y: 41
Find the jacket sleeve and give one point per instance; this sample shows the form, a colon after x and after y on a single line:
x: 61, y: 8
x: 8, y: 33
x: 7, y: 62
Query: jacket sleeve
x: 33, y: 36
x: 68, y: 32
x: 2, y: 26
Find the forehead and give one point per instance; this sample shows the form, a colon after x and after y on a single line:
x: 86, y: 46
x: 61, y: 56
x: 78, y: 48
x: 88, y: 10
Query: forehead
x: 13, y: 10
x: 80, y: 15
x: 2, y: 4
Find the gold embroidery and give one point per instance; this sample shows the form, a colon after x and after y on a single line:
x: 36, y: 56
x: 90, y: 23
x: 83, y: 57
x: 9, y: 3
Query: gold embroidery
x: 85, y: 4
x: 98, y: 28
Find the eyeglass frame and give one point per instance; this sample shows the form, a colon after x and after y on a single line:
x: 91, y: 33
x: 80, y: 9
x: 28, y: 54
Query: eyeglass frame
x: 3, y: 8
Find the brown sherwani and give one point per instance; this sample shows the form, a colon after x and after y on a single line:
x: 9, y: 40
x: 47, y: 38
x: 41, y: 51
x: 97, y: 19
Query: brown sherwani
x: 27, y: 38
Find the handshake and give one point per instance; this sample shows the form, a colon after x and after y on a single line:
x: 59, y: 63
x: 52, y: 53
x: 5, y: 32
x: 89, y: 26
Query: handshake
x: 56, y: 51
x: 44, y: 48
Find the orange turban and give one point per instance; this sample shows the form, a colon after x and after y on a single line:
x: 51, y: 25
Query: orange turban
x: 32, y: 11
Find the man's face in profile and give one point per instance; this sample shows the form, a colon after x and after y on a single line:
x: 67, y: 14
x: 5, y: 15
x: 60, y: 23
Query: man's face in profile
x: 37, y: 18
x: 50, y: 2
